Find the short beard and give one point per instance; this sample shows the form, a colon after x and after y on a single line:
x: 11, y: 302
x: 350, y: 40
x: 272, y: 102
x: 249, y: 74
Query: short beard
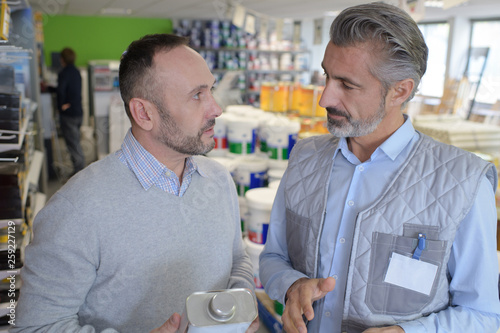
x: 174, y: 138
x: 354, y: 128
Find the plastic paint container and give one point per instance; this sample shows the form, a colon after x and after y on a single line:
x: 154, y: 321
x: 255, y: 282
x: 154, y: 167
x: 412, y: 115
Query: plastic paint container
x: 280, y: 136
x: 250, y: 173
x: 242, y: 135
x: 259, y: 202
x: 274, y: 184
x: 275, y: 174
x: 253, y: 251
x: 220, y: 135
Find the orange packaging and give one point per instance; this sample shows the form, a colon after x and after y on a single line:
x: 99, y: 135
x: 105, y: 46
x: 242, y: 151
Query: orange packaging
x: 295, y: 91
x: 266, y: 93
x: 306, y: 101
x: 280, y: 97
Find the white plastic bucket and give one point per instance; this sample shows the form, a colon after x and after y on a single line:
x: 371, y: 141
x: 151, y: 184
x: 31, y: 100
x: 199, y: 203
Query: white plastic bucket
x: 275, y: 174
x: 259, y: 203
x: 274, y: 184
x: 250, y: 173
x: 253, y: 251
x: 242, y: 135
x: 220, y: 135
x: 280, y: 135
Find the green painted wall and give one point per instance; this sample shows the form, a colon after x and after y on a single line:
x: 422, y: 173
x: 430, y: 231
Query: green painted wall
x: 96, y: 37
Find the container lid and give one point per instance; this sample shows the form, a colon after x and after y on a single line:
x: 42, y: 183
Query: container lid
x: 222, y: 307
x: 276, y: 173
x: 260, y: 198
x: 251, y: 163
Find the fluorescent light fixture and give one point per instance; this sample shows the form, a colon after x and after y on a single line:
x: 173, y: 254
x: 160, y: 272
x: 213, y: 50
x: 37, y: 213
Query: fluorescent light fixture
x: 434, y: 3
x: 116, y: 11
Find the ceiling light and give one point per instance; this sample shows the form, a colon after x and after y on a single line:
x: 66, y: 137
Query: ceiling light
x: 434, y: 3
x: 331, y: 13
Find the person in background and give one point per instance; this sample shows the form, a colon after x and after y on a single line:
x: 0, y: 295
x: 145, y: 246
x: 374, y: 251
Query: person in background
x: 69, y: 105
x: 124, y: 242
x: 377, y: 227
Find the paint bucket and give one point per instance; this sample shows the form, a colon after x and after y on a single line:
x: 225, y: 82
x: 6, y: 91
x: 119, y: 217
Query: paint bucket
x: 220, y: 135
x: 242, y: 135
x: 253, y: 251
x: 259, y: 203
x: 274, y: 184
x: 250, y: 173
x: 280, y: 135
x: 239, y: 110
x: 275, y: 174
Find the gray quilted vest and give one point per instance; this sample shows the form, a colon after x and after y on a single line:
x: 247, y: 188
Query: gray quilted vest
x: 431, y: 193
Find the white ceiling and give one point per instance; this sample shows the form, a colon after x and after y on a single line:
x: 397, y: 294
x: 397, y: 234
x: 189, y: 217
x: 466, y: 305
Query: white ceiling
x: 216, y: 9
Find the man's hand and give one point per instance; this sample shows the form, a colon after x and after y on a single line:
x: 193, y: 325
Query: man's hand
x: 254, y: 326
x: 66, y: 106
x: 300, y: 297
x: 390, y: 329
x: 170, y: 326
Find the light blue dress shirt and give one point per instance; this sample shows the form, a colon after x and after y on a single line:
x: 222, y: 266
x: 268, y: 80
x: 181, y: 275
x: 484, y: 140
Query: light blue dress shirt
x: 474, y: 287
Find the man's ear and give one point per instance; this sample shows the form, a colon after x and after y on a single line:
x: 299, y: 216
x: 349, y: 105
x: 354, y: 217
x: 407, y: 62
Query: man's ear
x: 400, y: 91
x: 141, y: 111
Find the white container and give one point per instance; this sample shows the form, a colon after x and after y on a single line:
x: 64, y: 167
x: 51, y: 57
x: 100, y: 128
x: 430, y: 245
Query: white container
x: 239, y: 110
x: 253, y: 250
x: 259, y: 203
x: 275, y: 174
x: 231, y: 310
x: 250, y: 173
x: 274, y: 184
x: 220, y: 135
x: 242, y: 135
x: 280, y: 136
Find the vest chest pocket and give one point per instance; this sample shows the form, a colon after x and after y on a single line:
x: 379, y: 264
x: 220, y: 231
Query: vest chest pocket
x: 297, y: 236
x: 386, y: 298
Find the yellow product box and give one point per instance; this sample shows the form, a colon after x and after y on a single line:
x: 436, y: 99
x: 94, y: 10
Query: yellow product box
x: 4, y: 21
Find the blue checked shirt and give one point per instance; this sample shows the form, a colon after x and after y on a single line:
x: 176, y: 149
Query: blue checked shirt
x: 150, y: 172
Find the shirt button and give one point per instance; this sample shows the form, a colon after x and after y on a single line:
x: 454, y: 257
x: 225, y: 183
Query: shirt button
x: 361, y: 168
x: 342, y: 240
x: 327, y: 313
x: 167, y: 173
x: 335, y: 276
x: 350, y: 203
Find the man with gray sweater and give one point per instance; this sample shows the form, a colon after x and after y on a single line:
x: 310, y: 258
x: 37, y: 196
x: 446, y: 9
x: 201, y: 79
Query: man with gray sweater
x: 126, y: 240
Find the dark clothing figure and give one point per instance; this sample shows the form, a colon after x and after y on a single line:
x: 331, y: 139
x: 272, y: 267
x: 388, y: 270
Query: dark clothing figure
x: 69, y: 105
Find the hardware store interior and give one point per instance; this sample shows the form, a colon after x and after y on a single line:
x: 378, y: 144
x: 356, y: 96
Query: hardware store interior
x: 266, y: 57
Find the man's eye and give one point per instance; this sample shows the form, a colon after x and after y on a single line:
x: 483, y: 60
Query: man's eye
x: 197, y: 96
x: 346, y: 86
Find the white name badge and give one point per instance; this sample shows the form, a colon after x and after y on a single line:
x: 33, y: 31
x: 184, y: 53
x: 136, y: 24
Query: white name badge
x: 411, y: 274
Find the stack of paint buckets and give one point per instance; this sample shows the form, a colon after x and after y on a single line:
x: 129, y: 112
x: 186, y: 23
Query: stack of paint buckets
x: 254, y: 145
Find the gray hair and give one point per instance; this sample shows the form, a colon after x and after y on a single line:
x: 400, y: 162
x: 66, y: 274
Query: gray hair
x: 393, y: 33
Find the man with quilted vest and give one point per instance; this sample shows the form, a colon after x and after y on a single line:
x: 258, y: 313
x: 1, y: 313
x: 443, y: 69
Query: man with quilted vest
x: 377, y: 227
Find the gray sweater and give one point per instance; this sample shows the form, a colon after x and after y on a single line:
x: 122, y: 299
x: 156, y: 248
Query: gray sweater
x: 109, y: 256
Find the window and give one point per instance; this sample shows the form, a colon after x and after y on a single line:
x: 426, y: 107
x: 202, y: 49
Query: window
x: 436, y: 38
x: 485, y: 34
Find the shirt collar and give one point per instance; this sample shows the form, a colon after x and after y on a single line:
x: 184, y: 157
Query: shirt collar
x: 146, y: 167
x: 392, y: 147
